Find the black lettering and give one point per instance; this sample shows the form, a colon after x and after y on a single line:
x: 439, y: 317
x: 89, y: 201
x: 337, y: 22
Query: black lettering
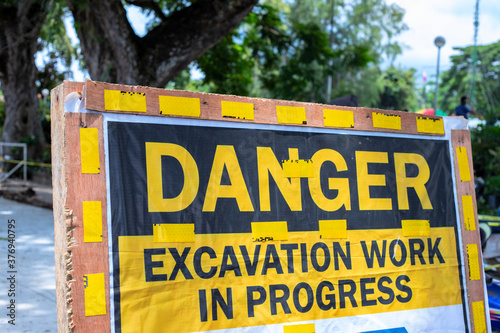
x: 197, y: 262
x: 314, y: 257
x: 393, y: 247
x: 386, y: 290
x: 374, y: 251
x: 345, y: 256
x: 251, y: 302
x: 296, y: 297
x: 403, y: 288
x: 349, y: 294
x: 149, y: 264
x: 250, y: 266
x: 417, y: 252
x: 434, y: 251
x: 367, y: 291
x: 329, y: 297
x: 202, y: 293
x: 271, y: 251
x: 289, y: 255
x: 282, y: 299
x: 180, y: 263
x: 235, y: 266
x: 227, y: 308
x: 303, y: 255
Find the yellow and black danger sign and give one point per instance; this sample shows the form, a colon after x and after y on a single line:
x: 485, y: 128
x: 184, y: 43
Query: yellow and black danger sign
x: 217, y: 228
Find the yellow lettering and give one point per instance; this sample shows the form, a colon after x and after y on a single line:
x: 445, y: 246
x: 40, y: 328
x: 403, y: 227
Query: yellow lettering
x: 156, y: 202
x: 341, y: 184
x: 365, y: 180
x: 418, y: 183
x: 226, y: 156
x: 290, y: 189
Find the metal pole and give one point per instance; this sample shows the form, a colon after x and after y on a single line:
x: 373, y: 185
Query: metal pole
x: 25, y: 159
x: 437, y: 83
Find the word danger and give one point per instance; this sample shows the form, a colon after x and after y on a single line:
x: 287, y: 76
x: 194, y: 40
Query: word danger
x: 268, y: 166
x: 320, y: 257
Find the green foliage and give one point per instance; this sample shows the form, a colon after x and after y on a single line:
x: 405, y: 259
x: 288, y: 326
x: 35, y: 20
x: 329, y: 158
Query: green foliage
x: 458, y: 79
x: 398, y: 89
x: 485, y: 143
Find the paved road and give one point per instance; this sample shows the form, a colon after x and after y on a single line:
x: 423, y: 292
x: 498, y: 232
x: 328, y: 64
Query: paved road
x: 35, y: 295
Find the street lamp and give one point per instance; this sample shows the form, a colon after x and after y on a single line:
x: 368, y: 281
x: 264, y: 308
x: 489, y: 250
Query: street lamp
x: 439, y: 42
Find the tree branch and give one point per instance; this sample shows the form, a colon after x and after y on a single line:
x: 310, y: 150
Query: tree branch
x: 148, y: 4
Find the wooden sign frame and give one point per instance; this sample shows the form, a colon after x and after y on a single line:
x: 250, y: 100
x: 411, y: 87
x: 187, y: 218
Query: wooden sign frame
x: 77, y: 107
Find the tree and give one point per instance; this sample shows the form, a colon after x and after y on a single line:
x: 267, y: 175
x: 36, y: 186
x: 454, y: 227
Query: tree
x: 20, y: 25
x: 397, y: 89
x: 456, y: 82
x: 182, y: 32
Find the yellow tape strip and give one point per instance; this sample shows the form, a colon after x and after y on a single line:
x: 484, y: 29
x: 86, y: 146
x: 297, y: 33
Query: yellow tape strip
x: 298, y: 168
x: 304, y: 328
x: 95, y: 294
x: 429, y: 125
x: 472, y: 254
x: 173, y: 232
x: 116, y: 100
x: 332, y: 229
x: 45, y: 165
x: 237, y: 110
x: 468, y: 210
x: 387, y: 121
x: 416, y: 228
x: 92, y: 222
x: 180, y: 106
x: 89, y: 150
x: 338, y: 118
x: 478, y: 314
x: 463, y: 164
x: 291, y: 114
x: 265, y: 231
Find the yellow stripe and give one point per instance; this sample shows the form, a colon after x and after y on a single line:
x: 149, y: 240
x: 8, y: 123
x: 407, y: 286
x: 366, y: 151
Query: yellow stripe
x: 237, y: 110
x: 429, y: 125
x: 331, y: 229
x: 416, y: 228
x: 173, y: 232
x: 298, y: 168
x: 463, y: 164
x: 338, y: 118
x: 468, y: 210
x: 472, y: 254
x: 388, y: 121
x: 92, y: 221
x: 488, y: 218
x: 479, y: 317
x: 89, y: 150
x: 263, y: 231
x: 291, y: 114
x: 304, y: 328
x: 95, y: 294
x: 45, y: 165
x: 179, y: 106
x: 116, y: 100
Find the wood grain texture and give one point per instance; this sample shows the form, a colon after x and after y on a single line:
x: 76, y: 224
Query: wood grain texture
x: 475, y: 288
x: 74, y: 258
x: 264, y: 109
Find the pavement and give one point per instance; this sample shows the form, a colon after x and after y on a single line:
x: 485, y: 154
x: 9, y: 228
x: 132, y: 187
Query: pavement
x: 31, y: 279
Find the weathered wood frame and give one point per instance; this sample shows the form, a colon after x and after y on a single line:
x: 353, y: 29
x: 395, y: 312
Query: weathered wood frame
x: 74, y: 258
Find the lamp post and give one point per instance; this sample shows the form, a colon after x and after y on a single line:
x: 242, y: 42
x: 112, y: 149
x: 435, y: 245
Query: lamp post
x: 439, y: 42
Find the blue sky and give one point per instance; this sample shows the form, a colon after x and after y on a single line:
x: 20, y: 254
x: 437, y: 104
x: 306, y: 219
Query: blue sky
x: 426, y: 19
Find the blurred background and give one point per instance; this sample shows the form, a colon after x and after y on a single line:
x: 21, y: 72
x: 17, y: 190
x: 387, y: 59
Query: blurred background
x: 368, y: 53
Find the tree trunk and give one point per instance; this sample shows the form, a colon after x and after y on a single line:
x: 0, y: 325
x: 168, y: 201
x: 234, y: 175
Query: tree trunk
x: 114, y: 53
x: 19, y: 30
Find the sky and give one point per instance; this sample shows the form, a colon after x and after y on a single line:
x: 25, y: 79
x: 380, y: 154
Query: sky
x: 451, y: 19
x: 426, y: 19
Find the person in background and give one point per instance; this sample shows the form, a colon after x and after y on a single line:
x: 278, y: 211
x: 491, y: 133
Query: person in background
x: 464, y: 108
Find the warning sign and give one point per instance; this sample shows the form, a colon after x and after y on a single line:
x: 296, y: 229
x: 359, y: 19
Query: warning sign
x: 217, y: 226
